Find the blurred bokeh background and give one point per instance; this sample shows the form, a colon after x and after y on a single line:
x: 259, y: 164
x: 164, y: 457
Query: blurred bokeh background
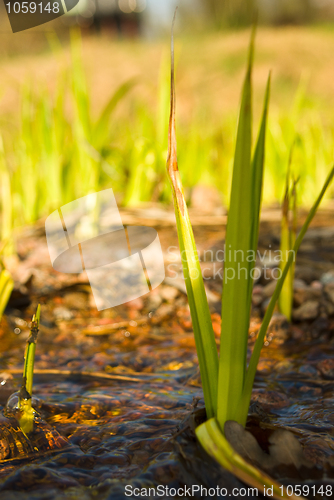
x: 84, y: 101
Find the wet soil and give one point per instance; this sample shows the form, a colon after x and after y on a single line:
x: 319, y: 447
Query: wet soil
x: 117, y: 384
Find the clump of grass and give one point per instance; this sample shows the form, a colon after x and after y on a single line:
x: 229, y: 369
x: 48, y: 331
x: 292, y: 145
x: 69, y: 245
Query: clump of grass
x: 228, y: 382
x: 78, y: 153
x: 58, y: 150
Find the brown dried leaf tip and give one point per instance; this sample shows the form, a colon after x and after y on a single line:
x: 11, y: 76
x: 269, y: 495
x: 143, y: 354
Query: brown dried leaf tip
x: 172, y: 167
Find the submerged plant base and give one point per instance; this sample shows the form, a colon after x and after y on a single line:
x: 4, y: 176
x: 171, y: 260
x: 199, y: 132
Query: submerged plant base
x: 219, y: 465
x: 15, y: 444
x: 215, y: 444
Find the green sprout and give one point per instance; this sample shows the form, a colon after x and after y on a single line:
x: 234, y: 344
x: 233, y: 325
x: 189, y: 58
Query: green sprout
x: 228, y: 382
x: 288, y: 239
x: 27, y: 412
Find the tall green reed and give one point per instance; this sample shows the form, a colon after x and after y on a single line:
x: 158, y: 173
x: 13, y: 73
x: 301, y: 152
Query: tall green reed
x: 227, y: 383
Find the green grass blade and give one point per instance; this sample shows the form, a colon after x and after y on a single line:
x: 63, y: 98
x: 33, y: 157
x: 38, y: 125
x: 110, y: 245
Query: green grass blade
x: 101, y: 128
x: 6, y: 202
x: 200, y: 313
x: 286, y: 296
x: 247, y: 392
x: 293, y: 235
x: 288, y: 238
x: 257, y: 168
x: 235, y: 320
x: 257, y: 183
x: 6, y: 287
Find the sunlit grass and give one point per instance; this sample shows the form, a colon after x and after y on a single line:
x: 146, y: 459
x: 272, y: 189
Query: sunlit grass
x: 58, y: 148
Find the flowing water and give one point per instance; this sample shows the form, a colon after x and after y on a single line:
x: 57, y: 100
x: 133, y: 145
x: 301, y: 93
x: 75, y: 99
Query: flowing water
x: 110, y: 401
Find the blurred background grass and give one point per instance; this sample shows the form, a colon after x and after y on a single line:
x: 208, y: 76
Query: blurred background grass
x: 84, y: 101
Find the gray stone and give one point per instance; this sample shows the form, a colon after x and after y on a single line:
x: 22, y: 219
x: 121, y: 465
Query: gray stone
x: 154, y: 301
x: 305, y: 294
x: 298, y: 283
x: 279, y: 326
x: 329, y: 292
x: 326, y: 367
x: 265, y: 304
x: 308, y: 310
x: 317, y: 284
x: 257, y: 299
x: 329, y: 307
x: 169, y: 293
x: 308, y: 370
x: 327, y: 278
x: 76, y: 300
x: 62, y: 313
x: 268, y: 290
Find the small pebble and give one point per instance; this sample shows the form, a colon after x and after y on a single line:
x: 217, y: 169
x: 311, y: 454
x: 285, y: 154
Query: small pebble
x: 76, y: 300
x: 327, y: 278
x: 154, y: 301
x: 268, y: 290
x: 317, y: 285
x: 308, y: 293
x: 308, y: 370
x: 270, y: 399
x: 310, y: 391
x: 329, y: 307
x: 169, y: 293
x: 257, y: 299
x: 326, y: 367
x: 62, y: 313
x: 298, y: 283
x: 308, y: 310
x: 329, y: 291
x: 297, y: 333
x: 279, y: 326
x: 319, y: 326
x: 265, y: 304
x: 284, y: 367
